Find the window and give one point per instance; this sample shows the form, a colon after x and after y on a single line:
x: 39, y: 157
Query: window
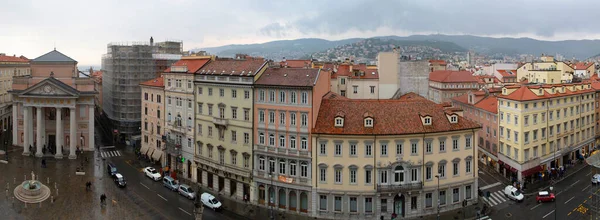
x: 303, y: 169
x: 369, y: 122
x: 261, y: 95
x: 246, y: 94
x: 355, y: 89
x: 247, y: 114
x: 293, y: 98
x: 338, y: 176
x: 221, y: 157
x: 304, y: 143
x: 233, y: 136
x: 261, y: 163
x: 442, y: 197
x: 383, y: 205
x: 233, y: 158
x: 352, y: 149
x: 468, y: 166
x: 442, y: 146
x: 304, y: 98
x: 338, y: 204
x: 428, y: 200
x: 261, y: 138
x: 282, y: 166
x: 428, y: 173
x: 353, y: 176
x: 293, y: 142
x: 468, y: 142
x: 271, y: 96
x: 455, y: 195
x: 368, y: 205
x: 468, y: 192
x: 222, y: 92
x: 367, y: 176
x: 261, y: 116
x: 455, y: 144
x: 233, y: 93
x: 427, y: 121
x: 399, y: 174
x: 271, y: 117
x: 282, y: 97
x: 413, y: 148
x: 339, y: 122
x: 413, y: 203
x: 323, y: 174
x: 384, y: 150
x: 281, y: 141
x: 414, y: 175
x: 292, y: 118
x: 304, y: 121
x: 455, y: 168
x: 453, y: 119
x: 323, y: 202
x: 353, y: 204
x: 271, y: 165
x: 233, y: 113
x: 372, y: 89
x: 322, y: 149
x: 442, y: 170
x: 338, y: 149
x: 368, y: 149
x: 271, y: 140
x: 383, y: 176
x: 282, y: 118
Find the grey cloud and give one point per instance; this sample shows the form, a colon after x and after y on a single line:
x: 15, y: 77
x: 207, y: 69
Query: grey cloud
x: 274, y: 30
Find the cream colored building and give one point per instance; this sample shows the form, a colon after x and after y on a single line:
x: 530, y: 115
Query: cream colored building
x: 180, y: 117
x: 366, y: 166
x: 547, y: 71
x: 153, y: 119
x: 224, y: 124
x: 355, y: 81
x: 9, y: 66
x: 544, y: 126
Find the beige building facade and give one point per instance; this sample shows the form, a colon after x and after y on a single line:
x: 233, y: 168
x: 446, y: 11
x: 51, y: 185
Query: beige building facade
x: 153, y: 119
x: 10, y: 66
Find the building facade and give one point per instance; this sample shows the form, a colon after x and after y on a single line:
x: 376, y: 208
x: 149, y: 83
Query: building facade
x: 547, y: 71
x: 52, y: 92
x: 584, y: 70
x: 287, y: 101
x: 365, y: 166
x: 10, y: 66
x: 543, y: 127
x: 224, y: 118
x: 180, y: 114
x: 355, y: 81
x: 153, y: 119
x: 482, y: 107
x: 444, y: 85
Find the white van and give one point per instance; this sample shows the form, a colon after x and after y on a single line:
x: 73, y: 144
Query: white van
x: 210, y: 201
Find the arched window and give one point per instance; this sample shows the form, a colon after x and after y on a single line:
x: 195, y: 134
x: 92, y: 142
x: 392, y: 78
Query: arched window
x: 271, y: 140
x: 399, y: 174
x: 261, y: 163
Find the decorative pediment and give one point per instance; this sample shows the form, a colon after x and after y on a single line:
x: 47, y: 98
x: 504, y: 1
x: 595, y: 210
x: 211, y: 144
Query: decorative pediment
x: 50, y: 87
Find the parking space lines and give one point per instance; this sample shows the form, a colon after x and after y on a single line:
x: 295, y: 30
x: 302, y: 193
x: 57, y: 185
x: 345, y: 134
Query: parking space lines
x: 144, y: 186
x: 548, y: 214
x: 162, y: 197
x: 538, y: 205
x: 185, y: 211
x: 569, y: 199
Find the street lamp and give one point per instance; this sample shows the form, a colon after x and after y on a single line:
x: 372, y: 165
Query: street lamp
x: 5, y: 144
x: 438, y: 196
x: 270, y: 198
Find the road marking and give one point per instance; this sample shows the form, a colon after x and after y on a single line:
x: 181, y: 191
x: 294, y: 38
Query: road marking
x: 570, y: 199
x: 107, y: 147
x: 574, y: 183
x: 538, y: 205
x: 490, y: 186
x: 118, y: 154
x: 548, y: 214
x: 585, y: 188
x: 162, y: 197
x: 144, y: 185
x: 480, y: 179
x: 559, y: 193
x: 590, y: 173
x: 185, y: 211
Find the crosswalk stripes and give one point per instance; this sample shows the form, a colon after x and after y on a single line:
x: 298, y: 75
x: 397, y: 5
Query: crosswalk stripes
x: 484, y: 218
x: 114, y: 153
x: 495, y: 198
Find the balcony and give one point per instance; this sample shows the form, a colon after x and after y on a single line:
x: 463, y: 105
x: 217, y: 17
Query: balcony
x: 395, y: 188
x: 220, y: 121
x: 172, y: 147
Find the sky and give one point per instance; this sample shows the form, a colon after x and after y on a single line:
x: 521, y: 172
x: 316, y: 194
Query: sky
x: 81, y: 29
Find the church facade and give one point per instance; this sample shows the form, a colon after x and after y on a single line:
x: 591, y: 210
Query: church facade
x: 53, y: 108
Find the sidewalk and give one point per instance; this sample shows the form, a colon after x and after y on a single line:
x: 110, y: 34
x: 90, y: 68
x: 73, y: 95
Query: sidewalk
x: 534, y: 188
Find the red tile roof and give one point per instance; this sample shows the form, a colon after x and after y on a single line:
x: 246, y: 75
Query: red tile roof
x: 437, y: 62
x: 450, y: 76
x: 14, y: 59
x: 334, y: 96
x: 411, y: 96
x: 596, y: 85
x: 489, y: 104
x: 98, y: 76
x: 290, y: 77
x: 359, y: 71
x: 464, y: 98
x: 229, y: 66
x: 158, y: 82
x: 296, y: 63
x: 192, y: 65
x: 582, y: 66
x: 391, y: 117
x: 524, y: 93
x: 508, y: 73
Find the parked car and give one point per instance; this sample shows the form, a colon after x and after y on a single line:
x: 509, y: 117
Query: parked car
x: 112, y: 169
x: 120, y: 180
x: 596, y: 179
x: 171, y: 183
x: 545, y: 196
x: 210, y: 201
x: 513, y: 193
x: 187, y: 191
x: 152, y: 173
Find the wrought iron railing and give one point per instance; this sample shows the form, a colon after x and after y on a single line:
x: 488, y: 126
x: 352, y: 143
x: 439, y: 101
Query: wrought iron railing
x: 399, y: 187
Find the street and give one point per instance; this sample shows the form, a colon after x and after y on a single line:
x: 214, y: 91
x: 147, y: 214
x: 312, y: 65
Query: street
x: 573, y: 201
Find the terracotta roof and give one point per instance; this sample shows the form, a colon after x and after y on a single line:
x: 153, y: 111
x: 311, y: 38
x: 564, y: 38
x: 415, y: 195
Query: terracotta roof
x: 14, y: 59
x: 489, y: 104
x: 464, y: 98
x: 344, y: 70
x: 524, y: 93
x: 438, y: 62
x: 289, y: 77
x: 391, y: 117
x: 411, y: 96
x: 97, y: 76
x: 192, y: 65
x: 582, y: 66
x: 333, y: 96
x: 596, y: 86
x: 229, y: 66
x: 508, y: 73
x: 158, y: 82
x: 449, y: 76
x: 296, y: 63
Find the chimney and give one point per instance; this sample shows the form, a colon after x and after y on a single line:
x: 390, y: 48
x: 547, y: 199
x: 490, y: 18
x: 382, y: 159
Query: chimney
x: 350, y: 67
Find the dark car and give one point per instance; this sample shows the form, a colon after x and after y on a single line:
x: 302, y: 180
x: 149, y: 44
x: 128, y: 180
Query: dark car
x: 111, y: 169
x: 120, y: 180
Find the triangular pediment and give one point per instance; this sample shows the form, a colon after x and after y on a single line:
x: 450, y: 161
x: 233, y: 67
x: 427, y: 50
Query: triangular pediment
x: 51, y: 87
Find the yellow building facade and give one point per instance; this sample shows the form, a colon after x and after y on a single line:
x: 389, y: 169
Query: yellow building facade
x: 541, y: 127
x: 153, y: 119
x: 365, y: 167
x: 547, y: 71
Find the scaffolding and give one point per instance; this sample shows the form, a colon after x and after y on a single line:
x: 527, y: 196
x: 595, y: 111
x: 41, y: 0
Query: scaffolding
x: 125, y: 66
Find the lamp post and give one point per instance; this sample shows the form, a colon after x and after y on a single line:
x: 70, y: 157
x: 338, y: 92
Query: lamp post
x: 438, y: 190
x: 270, y: 198
x: 5, y: 144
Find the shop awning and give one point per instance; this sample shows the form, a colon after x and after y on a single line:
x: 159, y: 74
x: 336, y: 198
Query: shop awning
x: 531, y: 171
x: 156, y: 155
x: 144, y: 149
x: 150, y: 151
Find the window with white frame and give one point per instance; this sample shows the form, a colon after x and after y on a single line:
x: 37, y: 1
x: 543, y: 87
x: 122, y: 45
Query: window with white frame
x: 323, y: 149
x: 413, y: 148
x: 282, y: 118
x: 339, y: 122
x: 338, y: 149
x: 323, y: 174
x: 384, y: 150
x: 304, y: 169
x: 281, y: 141
x: 261, y: 138
x: 304, y: 121
x: 303, y: 143
x: 453, y: 119
x: 368, y: 122
x: 282, y: 97
x: 293, y: 142
x: 383, y: 176
x: 352, y: 175
x: 352, y: 149
x: 292, y: 118
x: 399, y: 148
x: 261, y: 163
x: 442, y: 170
x: 271, y: 140
x: 427, y: 121
x: 399, y: 174
x: 368, y: 150
x: 338, y: 176
x: 293, y: 168
x: 414, y: 175
x: 442, y: 146
x: 304, y: 98
x: 455, y: 168
x: 282, y: 166
x: 468, y: 166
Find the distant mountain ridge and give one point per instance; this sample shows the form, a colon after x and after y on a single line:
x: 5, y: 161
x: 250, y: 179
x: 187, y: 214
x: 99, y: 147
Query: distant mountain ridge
x: 291, y: 49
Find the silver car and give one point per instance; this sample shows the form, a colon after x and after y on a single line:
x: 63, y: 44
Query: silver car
x: 186, y: 191
x: 596, y: 179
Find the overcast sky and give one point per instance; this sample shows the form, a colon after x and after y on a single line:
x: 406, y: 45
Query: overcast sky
x: 81, y: 29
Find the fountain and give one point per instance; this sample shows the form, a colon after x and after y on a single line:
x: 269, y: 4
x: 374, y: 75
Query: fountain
x: 32, y: 191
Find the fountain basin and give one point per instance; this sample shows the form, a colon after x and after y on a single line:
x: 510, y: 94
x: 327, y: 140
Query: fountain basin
x: 32, y: 191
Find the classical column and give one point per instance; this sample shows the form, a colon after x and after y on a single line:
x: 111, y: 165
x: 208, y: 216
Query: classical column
x: 72, y: 133
x: 15, y: 124
x: 26, y: 126
x: 91, y: 128
x: 59, y: 133
x: 38, y: 127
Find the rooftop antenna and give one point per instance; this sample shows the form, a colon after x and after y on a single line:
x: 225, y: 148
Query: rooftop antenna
x: 54, y: 45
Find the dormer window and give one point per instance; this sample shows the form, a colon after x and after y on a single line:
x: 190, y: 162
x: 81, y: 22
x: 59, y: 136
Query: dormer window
x: 339, y: 122
x: 368, y: 122
x: 427, y: 120
x: 503, y: 91
x: 454, y: 119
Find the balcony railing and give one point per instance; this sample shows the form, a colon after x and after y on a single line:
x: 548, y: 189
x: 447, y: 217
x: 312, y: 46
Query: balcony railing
x: 399, y: 187
x: 220, y: 121
x: 172, y: 147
